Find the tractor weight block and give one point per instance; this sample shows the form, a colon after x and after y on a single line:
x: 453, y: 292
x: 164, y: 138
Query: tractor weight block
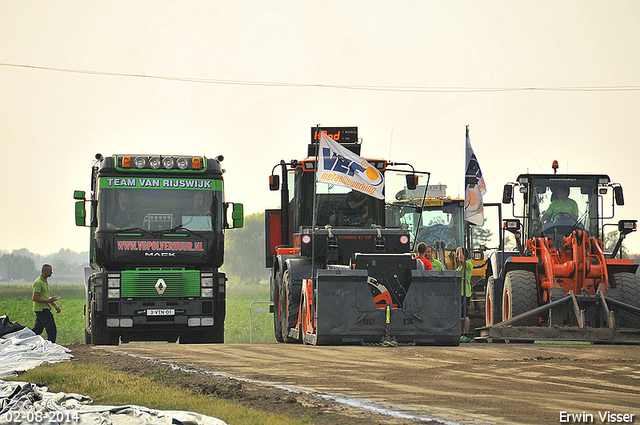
x: 346, y: 311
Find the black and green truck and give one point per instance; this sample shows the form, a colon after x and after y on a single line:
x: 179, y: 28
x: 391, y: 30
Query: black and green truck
x: 157, y: 242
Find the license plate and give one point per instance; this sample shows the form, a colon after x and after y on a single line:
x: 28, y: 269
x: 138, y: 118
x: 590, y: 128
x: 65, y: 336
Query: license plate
x: 161, y: 312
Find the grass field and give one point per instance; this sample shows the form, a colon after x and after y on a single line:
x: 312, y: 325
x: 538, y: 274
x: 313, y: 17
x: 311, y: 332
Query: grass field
x: 115, y: 388
x: 15, y: 302
x: 112, y: 388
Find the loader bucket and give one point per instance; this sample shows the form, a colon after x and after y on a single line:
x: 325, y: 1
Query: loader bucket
x: 347, y: 314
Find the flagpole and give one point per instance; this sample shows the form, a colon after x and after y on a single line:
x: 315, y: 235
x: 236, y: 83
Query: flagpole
x: 464, y: 241
x: 314, y: 216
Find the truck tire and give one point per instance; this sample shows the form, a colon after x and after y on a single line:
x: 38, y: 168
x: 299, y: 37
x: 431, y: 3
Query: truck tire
x: 218, y: 328
x: 490, y: 303
x: 277, y: 309
x: 289, y: 312
x: 628, y: 284
x: 519, y: 295
x: 100, y: 334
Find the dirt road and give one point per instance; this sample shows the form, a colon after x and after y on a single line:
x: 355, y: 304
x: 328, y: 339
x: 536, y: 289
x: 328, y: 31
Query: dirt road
x: 472, y: 384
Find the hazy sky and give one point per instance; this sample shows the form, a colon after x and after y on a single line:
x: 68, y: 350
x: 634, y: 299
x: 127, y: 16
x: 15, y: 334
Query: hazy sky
x: 335, y: 63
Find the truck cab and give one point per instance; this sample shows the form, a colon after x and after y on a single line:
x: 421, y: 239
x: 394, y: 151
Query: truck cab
x: 156, y: 245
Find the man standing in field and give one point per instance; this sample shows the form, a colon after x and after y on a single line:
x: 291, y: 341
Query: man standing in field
x: 41, y: 305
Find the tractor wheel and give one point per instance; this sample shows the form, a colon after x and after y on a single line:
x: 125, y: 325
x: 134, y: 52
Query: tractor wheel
x: 277, y: 310
x: 490, y: 303
x: 519, y: 295
x: 628, y: 284
x: 289, y: 308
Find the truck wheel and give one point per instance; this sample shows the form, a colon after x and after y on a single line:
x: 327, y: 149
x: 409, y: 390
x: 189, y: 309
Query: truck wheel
x: 628, y: 284
x: 218, y: 330
x: 519, y: 295
x: 490, y: 303
x: 289, y: 312
x: 100, y: 334
x: 277, y: 309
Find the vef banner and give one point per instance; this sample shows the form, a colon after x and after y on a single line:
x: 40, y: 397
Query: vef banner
x: 475, y: 187
x: 338, y: 165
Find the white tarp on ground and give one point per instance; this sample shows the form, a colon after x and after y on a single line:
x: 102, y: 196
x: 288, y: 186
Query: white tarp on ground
x: 23, y: 350
x: 22, y: 402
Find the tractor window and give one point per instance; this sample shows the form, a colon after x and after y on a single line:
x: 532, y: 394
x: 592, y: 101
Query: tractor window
x: 442, y: 223
x: 558, y: 206
x: 439, y: 221
x: 333, y: 204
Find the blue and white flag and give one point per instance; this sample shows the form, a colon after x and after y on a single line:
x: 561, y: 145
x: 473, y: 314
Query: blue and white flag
x: 338, y: 165
x: 475, y: 187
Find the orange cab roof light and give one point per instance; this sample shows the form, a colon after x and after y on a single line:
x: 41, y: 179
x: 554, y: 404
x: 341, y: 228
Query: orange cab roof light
x: 126, y: 161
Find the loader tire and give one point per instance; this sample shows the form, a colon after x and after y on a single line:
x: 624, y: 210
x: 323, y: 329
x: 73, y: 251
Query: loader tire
x: 628, y: 284
x: 490, y: 309
x: 290, y: 308
x: 519, y: 295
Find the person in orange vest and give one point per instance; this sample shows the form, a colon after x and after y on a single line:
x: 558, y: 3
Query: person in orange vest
x: 422, y: 249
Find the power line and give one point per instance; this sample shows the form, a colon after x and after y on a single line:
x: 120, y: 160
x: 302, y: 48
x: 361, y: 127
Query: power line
x: 408, y: 89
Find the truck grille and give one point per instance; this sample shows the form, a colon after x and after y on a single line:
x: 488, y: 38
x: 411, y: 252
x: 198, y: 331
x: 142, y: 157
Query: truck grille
x: 142, y: 283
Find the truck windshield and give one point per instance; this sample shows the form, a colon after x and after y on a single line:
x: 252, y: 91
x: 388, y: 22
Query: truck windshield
x: 159, y: 209
x: 560, y: 205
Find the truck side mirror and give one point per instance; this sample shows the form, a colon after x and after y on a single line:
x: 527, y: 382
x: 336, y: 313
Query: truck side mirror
x: 507, y: 194
x: 617, y: 194
x: 237, y: 216
x: 274, y: 182
x: 81, y: 213
x: 412, y: 181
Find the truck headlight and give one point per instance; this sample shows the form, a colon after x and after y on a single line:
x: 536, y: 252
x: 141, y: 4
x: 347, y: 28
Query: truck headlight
x: 206, y: 292
x: 206, y: 280
x: 113, y: 293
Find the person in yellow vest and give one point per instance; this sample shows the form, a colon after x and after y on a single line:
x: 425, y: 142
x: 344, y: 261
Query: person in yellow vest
x: 436, y: 264
x: 462, y: 255
x: 42, y: 303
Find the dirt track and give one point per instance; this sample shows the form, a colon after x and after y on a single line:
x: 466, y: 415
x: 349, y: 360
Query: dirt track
x: 471, y: 384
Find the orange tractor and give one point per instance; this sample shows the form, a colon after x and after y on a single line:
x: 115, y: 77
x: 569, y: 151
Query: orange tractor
x: 562, y: 282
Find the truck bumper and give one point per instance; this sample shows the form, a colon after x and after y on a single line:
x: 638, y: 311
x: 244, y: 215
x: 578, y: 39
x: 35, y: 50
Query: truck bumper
x: 152, y: 315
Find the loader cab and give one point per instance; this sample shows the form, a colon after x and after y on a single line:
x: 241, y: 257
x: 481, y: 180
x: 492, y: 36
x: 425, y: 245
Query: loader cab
x: 556, y: 205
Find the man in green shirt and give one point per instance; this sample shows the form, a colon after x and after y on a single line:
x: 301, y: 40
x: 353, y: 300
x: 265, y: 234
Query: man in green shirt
x: 42, y: 302
x: 562, y: 206
x: 436, y: 264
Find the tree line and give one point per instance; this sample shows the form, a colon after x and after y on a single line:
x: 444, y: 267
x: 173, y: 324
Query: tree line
x: 244, y: 257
